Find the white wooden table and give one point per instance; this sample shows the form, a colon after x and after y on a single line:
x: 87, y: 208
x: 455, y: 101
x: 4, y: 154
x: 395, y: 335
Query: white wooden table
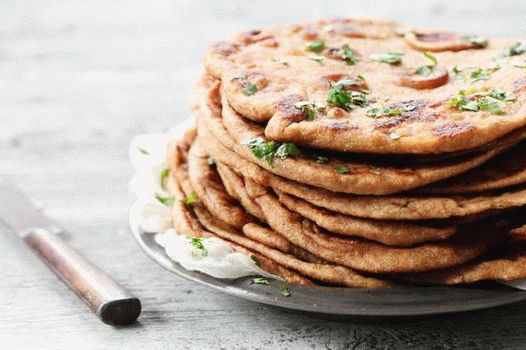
x: 78, y: 79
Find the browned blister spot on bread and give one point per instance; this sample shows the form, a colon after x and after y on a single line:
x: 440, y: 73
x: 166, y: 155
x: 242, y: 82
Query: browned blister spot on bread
x: 254, y: 36
x: 286, y: 108
x: 432, y: 37
x: 453, y: 129
x: 519, y: 85
x: 225, y: 48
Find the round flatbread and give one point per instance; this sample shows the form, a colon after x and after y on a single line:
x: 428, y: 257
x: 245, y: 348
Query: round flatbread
x: 392, y: 207
x: 371, y: 88
x: 333, y: 173
x: 507, y: 169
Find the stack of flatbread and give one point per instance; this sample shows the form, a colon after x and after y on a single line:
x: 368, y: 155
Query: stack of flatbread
x: 360, y: 153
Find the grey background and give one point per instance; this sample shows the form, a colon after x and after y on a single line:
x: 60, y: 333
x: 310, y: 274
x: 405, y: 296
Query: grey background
x: 78, y: 79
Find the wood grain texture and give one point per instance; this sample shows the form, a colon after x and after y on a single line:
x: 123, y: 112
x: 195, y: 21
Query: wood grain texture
x: 78, y: 79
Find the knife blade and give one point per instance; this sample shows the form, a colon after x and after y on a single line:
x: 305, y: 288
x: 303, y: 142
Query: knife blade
x: 111, y: 302
x: 19, y: 214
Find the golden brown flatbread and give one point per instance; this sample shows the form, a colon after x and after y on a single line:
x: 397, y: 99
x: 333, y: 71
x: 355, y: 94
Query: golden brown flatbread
x: 401, y: 100
x: 358, y: 178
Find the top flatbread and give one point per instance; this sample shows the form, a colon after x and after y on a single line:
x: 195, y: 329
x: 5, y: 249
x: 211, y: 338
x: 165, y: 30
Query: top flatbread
x: 265, y: 73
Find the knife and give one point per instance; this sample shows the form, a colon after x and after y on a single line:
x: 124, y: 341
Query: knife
x: 111, y: 302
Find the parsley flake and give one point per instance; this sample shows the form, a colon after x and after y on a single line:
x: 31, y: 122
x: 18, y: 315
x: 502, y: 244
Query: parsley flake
x: 387, y: 57
x: 255, y: 259
x: 191, y: 199
x: 197, y: 243
x: 476, y: 40
x: 287, y: 149
x: 348, y: 55
x: 260, y: 280
x: 320, y: 159
x: 309, y: 109
x: 210, y: 161
x: 378, y: 112
x: 346, y: 98
x: 250, y: 89
x: 517, y: 49
x: 164, y: 175
x: 166, y: 200
x: 341, y: 169
x: 317, y: 58
x: 468, y: 100
x: 426, y: 70
x: 268, y: 150
x: 284, y: 290
x: 280, y: 61
x: 316, y: 46
x: 143, y: 151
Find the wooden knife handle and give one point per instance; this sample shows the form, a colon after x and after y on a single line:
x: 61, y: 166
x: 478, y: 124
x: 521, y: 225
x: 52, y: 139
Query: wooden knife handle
x: 109, y: 300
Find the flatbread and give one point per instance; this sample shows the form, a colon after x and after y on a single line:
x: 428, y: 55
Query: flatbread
x: 392, y: 207
x: 210, y: 190
x: 327, y: 273
x: 361, y: 178
x: 392, y: 233
x: 277, y: 63
x: 372, y: 257
x: 507, y: 169
x: 511, y: 266
x: 185, y: 222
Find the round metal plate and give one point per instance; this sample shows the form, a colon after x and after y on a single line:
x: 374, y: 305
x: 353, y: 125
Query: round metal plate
x: 401, y: 301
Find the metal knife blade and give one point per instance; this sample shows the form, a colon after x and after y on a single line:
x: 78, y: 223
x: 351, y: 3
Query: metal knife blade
x: 18, y: 213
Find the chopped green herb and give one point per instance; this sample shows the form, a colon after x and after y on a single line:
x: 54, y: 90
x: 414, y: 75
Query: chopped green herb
x: 502, y: 95
x: 517, y: 49
x: 348, y: 55
x: 261, y: 149
x: 426, y: 71
x: 250, y: 89
x: 361, y: 77
x: 479, y: 74
x: 191, y: 199
x: 260, y: 280
x: 456, y: 71
x: 346, y: 98
x: 320, y: 159
x: 287, y: 149
x: 431, y: 57
x: 164, y: 175
x: 281, y: 61
x: 268, y: 150
x: 316, y: 46
x: 476, y: 40
x: 210, y: 161
x: 491, y: 105
x: 317, y: 58
x: 284, y: 290
x: 168, y: 201
x: 387, y: 57
x: 341, y: 169
x: 198, y: 244
x: 143, y: 151
x: 309, y: 108
x: 394, y: 136
x: 255, y: 259
x: 378, y: 112
x: 468, y: 100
